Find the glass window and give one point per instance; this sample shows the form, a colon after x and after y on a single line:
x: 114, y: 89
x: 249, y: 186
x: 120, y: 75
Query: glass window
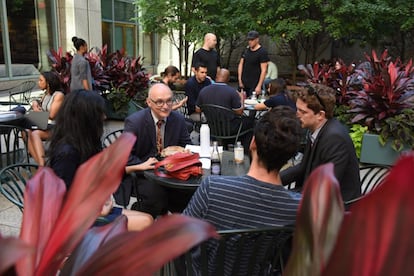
x: 22, y: 29
x: 106, y: 9
x: 125, y: 38
x: 106, y: 35
x: 31, y: 32
x: 124, y: 11
x: 121, y: 32
x: 119, y: 43
x: 1, y: 42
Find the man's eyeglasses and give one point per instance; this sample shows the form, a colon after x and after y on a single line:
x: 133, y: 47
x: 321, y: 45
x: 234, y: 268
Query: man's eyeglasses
x: 312, y: 91
x: 161, y: 103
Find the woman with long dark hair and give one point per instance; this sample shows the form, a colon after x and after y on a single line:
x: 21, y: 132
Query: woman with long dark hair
x: 50, y: 102
x: 76, y: 138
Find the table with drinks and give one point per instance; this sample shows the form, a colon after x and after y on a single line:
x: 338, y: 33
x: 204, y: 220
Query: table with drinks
x: 228, y: 166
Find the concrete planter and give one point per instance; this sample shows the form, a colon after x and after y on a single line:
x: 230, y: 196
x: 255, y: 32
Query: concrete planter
x: 373, y: 152
x: 121, y: 114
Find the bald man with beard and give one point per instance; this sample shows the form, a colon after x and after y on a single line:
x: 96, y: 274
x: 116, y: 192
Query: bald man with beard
x: 208, y: 55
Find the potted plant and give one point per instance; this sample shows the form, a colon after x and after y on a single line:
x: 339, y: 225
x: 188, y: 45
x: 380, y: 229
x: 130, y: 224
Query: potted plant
x: 56, y: 236
x: 121, y: 79
x: 384, y: 106
x: 378, y: 94
x: 61, y: 66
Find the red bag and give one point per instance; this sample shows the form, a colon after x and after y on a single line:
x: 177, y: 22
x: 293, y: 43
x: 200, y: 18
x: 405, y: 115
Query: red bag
x: 180, y: 165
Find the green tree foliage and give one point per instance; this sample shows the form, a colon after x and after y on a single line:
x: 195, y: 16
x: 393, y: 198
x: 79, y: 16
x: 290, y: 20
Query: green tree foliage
x: 307, y: 26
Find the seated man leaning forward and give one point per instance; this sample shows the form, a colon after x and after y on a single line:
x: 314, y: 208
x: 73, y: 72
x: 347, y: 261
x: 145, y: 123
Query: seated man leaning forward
x: 151, y: 140
x: 329, y: 142
x: 221, y: 93
x: 257, y: 199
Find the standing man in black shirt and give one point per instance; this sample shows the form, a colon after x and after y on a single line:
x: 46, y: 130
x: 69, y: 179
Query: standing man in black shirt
x: 253, y: 65
x: 208, y: 55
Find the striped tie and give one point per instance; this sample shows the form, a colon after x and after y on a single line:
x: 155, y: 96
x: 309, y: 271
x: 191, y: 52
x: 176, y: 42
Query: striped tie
x: 159, y: 136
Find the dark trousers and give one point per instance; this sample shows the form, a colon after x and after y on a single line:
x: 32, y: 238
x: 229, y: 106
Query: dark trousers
x: 158, y: 200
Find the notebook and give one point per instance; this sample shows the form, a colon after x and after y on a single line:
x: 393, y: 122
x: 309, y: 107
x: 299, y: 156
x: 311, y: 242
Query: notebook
x: 38, y: 119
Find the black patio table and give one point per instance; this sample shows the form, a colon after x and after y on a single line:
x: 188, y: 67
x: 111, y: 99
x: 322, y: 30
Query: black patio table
x: 10, y: 117
x: 228, y: 167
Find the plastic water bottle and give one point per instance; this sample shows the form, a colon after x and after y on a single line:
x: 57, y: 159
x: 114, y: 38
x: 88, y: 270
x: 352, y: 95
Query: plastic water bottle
x: 239, y: 153
x: 204, y: 141
x: 215, y: 160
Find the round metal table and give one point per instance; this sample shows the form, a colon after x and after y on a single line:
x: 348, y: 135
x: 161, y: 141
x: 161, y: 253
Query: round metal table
x: 228, y: 167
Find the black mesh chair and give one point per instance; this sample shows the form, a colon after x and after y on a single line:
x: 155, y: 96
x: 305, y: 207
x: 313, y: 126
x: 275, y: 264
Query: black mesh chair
x: 224, y: 123
x: 261, y: 251
x: 13, y: 180
x: 13, y: 145
x: 21, y: 93
x: 111, y: 137
x: 371, y: 177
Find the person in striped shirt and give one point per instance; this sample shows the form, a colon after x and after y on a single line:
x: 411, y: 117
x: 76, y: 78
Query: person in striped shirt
x: 257, y: 199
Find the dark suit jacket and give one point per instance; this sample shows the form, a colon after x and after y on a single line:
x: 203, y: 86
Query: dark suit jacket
x: 142, y: 125
x: 333, y: 144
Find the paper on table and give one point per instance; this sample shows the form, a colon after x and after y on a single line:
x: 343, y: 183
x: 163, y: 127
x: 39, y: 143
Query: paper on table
x: 250, y: 102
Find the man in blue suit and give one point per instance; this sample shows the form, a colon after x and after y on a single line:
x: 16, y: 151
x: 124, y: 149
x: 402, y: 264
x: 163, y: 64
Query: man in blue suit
x: 151, y: 197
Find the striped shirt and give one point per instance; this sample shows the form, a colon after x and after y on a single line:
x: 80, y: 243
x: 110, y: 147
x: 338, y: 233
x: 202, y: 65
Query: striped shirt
x: 240, y: 202
x: 237, y: 202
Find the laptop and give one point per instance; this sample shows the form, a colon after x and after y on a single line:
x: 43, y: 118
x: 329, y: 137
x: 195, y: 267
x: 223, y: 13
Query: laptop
x: 38, y: 119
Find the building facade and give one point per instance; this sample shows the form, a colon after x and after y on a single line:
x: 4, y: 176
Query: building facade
x: 30, y: 28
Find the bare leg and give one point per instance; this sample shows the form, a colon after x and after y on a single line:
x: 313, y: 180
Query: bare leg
x: 137, y: 221
x: 36, y: 147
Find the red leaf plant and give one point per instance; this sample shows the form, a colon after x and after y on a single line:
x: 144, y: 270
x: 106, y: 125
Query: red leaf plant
x: 374, y: 238
x: 319, y: 217
x: 55, y: 223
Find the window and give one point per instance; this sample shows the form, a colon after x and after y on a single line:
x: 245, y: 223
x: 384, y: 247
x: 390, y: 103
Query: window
x: 118, y: 28
x: 26, y: 34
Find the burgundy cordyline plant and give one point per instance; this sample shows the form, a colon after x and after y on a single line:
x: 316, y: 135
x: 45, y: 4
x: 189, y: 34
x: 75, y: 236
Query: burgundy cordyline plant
x: 373, y: 238
x: 385, y: 103
x: 57, y: 239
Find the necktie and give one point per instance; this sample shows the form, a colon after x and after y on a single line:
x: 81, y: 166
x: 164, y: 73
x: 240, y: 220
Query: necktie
x: 159, y: 136
x: 311, y: 139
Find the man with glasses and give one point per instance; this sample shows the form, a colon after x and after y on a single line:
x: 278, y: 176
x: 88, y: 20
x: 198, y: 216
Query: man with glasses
x: 156, y: 127
x: 329, y: 141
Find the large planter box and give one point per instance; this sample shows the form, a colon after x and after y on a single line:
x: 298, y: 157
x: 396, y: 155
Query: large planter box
x: 373, y: 152
x: 120, y: 116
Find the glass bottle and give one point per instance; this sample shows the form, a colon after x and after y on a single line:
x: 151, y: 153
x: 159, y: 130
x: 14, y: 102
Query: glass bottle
x: 215, y: 160
x: 254, y: 95
x: 238, y: 153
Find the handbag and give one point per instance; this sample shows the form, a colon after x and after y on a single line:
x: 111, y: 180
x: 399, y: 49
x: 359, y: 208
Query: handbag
x: 180, y: 165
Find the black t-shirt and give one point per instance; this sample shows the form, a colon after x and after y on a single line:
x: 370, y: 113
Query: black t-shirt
x: 209, y: 58
x: 251, y: 67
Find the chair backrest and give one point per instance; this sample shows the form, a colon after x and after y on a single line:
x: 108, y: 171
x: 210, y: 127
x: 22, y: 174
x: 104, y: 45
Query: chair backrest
x: 22, y: 92
x: 371, y: 177
x: 241, y: 252
x: 111, y: 137
x: 223, y: 122
x: 13, y: 180
x: 183, y: 109
x: 13, y: 145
